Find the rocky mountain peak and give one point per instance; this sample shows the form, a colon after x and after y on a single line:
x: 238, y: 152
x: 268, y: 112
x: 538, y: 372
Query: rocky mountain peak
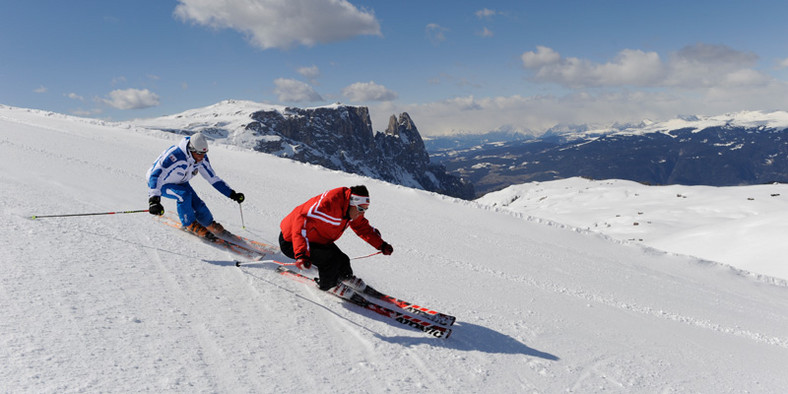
x: 338, y: 137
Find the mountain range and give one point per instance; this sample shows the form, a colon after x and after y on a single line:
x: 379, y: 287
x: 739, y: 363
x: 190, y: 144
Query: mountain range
x: 338, y: 137
x: 742, y: 148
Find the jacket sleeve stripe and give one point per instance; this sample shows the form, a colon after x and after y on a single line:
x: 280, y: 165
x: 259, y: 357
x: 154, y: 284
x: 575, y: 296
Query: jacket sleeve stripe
x: 303, y: 233
x: 316, y: 214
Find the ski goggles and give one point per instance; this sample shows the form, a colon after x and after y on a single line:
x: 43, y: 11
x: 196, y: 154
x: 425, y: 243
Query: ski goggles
x: 192, y: 149
x: 360, y: 202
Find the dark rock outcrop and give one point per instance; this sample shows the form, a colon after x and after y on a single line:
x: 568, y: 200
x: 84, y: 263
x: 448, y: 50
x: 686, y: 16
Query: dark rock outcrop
x: 341, y: 138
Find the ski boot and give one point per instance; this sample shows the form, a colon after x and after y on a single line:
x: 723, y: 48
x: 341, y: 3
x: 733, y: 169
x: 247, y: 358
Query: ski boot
x: 342, y: 290
x: 200, y: 231
x: 355, y: 283
x: 217, y: 229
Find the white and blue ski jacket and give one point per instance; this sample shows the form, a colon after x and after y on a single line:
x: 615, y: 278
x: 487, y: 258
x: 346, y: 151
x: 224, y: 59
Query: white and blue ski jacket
x: 176, y: 165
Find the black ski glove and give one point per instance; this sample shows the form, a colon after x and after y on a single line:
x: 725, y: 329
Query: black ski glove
x: 155, y: 206
x: 386, y: 248
x: 303, y: 263
x: 238, y: 197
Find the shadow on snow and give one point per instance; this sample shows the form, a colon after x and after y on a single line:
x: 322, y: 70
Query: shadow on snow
x: 465, y: 336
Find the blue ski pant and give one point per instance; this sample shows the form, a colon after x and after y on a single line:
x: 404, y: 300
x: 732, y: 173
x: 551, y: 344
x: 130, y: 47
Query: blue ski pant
x: 190, y: 206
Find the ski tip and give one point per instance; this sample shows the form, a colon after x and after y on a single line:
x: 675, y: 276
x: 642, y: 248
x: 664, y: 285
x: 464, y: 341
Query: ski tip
x: 237, y: 263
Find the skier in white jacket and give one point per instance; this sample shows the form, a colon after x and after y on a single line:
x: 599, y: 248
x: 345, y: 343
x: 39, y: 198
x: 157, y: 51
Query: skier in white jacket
x: 169, y: 177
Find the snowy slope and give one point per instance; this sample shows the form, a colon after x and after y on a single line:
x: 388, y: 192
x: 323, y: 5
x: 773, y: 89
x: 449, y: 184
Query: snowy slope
x: 740, y: 226
x: 120, y: 303
x: 228, y: 118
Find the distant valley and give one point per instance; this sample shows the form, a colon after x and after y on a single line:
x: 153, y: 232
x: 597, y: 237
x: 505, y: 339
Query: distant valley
x: 740, y: 149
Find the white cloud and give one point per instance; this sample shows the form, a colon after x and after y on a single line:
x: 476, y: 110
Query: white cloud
x: 282, y: 23
x: 436, y: 33
x: 695, y: 66
x: 783, y: 63
x: 630, y: 67
x: 485, y: 13
x: 75, y: 96
x: 295, y: 91
x: 706, y: 66
x: 311, y: 73
x: 745, y: 78
x: 536, y: 114
x: 368, y: 91
x: 486, y: 33
x: 40, y: 89
x: 131, y: 99
x: 629, y: 87
x: 543, y: 56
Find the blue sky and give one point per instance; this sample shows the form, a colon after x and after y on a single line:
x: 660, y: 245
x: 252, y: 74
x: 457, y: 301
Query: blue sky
x: 454, y: 66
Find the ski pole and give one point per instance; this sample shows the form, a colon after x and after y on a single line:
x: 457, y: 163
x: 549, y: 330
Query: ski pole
x: 369, y: 255
x: 85, y: 214
x: 239, y: 263
x: 240, y: 207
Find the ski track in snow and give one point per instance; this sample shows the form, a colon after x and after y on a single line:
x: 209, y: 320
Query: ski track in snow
x: 564, y: 289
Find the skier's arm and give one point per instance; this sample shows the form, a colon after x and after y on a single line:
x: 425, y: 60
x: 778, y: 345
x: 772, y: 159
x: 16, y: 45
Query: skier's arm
x: 298, y: 236
x: 209, y: 174
x: 166, y: 165
x: 366, y: 232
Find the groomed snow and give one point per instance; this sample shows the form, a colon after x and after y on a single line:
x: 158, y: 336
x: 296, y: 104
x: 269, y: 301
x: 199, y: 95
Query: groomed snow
x: 739, y: 226
x: 121, y: 303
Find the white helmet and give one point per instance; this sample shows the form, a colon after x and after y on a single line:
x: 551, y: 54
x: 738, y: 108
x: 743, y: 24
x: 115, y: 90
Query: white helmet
x: 198, y: 144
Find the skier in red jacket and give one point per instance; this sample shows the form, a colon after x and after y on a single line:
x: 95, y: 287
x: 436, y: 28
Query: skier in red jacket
x: 310, y: 230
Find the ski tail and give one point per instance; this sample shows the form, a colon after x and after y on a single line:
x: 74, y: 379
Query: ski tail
x: 260, y: 247
x: 238, y: 248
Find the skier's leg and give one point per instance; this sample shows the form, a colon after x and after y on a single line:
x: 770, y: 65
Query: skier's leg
x: 182, y: 194
x: 286, y: 247
x: 332, y: 264
x: 201, y: 211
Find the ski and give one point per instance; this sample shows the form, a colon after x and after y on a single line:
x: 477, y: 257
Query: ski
x: 415, y: 321
x: 239, y: 248
x: 251, y: 254
x: 427, y: 313
x: 435, y: 316
x: 260, y: 247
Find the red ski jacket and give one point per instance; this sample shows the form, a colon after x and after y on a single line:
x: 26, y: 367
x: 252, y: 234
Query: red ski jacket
x: 322, y: 220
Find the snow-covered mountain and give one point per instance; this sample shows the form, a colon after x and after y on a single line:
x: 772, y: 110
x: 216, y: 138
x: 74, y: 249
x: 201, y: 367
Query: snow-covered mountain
x: 743, y: 120
x: 121, y: 303
x: 337, y: 137
x: 745, y: 148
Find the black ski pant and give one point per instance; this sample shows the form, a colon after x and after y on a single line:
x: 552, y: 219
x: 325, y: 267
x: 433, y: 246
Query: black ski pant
x: 332, y: 264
